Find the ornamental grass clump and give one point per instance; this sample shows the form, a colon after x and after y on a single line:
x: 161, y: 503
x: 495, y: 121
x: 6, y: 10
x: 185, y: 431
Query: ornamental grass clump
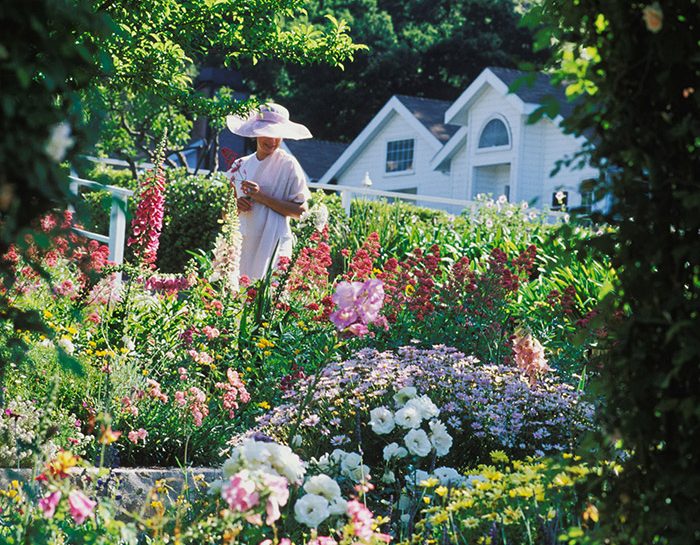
x: 484, y: 407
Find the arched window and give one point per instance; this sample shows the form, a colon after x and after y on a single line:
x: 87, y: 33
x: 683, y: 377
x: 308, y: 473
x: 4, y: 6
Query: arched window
x: 495, y: 134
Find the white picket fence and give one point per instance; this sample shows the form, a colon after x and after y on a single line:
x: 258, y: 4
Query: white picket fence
x: 117, y: 218
x: 117, y: 225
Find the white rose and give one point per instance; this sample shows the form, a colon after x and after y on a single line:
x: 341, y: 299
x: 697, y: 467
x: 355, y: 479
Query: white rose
x: 389, y: 477
x: 338, y: 455
x: 404, y: 394
x: 350, y: 461
x: 255, y: 454
x: 286, y: 463
x: 338, y: 506
x: 322, y: 485
x: 408, y: 417
x: 359, y: 474
x: 425, y: 406
x: 232, y: 465
x: 311, y: 510
x: 440, y: 439
x: 417, y: 443
x: 381, y: 420
x: 393, y: 450
x: 448, y: 476
x: 324, y: 462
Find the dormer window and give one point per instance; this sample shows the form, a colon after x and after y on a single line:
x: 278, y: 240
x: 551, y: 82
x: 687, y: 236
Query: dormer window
x: 494, y: 135
x: 399, y: 155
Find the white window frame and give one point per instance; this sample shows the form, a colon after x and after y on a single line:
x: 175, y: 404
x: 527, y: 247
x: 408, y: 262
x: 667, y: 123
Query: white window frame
x: 413, y: 158
x: 509, y: 132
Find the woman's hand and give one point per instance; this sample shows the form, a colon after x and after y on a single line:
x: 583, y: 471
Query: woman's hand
x: 250, y: 189
x: 244, y: 204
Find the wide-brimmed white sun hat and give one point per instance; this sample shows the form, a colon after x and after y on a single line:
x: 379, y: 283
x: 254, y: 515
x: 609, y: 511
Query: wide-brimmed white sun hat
x: 271, y: 120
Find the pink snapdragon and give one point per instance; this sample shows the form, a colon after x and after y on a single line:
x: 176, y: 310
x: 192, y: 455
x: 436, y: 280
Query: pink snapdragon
x: 148, y: 220
x: 234, y: 392
x: 81, y: 507
x: 529, y: 356
x: 138, y: 435
x: 48, y: 503
x: 196, y: 402
x: 358, y: 305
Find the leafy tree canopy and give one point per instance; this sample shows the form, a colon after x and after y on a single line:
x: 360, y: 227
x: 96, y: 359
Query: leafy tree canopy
x: 158, y: 47
x: 431, y: 48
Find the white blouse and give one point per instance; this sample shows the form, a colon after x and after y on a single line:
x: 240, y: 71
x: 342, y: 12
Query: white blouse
x: 267, y: 234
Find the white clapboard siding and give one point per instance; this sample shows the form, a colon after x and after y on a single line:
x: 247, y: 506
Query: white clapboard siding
x: 372, y: 159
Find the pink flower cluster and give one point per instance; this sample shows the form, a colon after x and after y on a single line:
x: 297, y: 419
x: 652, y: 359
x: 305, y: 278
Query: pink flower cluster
x: 196, y: 402
x: 155, y: 392
x: 244, y: 490
x: 138, y: 435
x: 362, y: 522
x: 166, y: 284
x: 148, y: 220
x: 234, y: 392
x: 79, y: 505
x: 529, y: 357
x: 362, y: 263
x: 358, y: 304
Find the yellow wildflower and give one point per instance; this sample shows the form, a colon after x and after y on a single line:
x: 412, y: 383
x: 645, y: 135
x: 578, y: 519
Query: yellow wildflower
x: 264, y: 405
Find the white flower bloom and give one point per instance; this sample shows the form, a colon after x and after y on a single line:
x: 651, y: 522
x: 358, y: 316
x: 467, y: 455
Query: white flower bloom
x: 311, y: 510
x: 287, y: 464
x: 404, y: 394
x: 502, y: 199
x: 322, y: 485
x: 448, y: 476
x: 59, y: 141
x: 256, y: 454
x: 232, y: 465
x: 419, y: 476
x: 442, y: 442
x: 393, y: 450
x: 324, y: 462
x: 408, y: 417
x: 389, y: 477
x: 66, y: 344
x: 381, y: 420
x: 359, y: 474
x: 425, y: 406
x: 337, y: 456
x: 350, y: 461
x: 297, y: 440
x: 417, y: 443
x: 338, y: 506
x: 316, y: 215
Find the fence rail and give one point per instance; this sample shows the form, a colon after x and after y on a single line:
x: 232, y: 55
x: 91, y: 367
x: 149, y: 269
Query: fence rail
x: 117, y: 218
x: 117, y: 224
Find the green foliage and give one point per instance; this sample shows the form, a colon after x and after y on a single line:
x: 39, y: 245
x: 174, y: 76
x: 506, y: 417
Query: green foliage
x: 418, y: 47
x: 158, y: 48
x: 636, y: 68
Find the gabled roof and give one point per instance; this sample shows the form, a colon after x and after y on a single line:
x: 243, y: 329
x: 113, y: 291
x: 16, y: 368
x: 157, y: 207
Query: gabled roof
x: 425, y: 116
x: 315, y: 156
x: 530, y: 90
x: 431, y: 113
x: 534, y: 87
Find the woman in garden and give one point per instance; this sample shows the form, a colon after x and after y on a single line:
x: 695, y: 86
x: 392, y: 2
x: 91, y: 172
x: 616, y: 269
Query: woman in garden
x: 270, y: 187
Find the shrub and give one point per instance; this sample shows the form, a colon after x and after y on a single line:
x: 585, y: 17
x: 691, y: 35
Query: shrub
x: 484, y: 407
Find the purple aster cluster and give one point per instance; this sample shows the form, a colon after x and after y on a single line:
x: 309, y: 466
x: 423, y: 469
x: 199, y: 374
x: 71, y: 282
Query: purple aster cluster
x: 484, y: 407
x: 358, y: 304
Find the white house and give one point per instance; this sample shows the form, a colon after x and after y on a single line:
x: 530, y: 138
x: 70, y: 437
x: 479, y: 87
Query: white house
x: 480, y: 143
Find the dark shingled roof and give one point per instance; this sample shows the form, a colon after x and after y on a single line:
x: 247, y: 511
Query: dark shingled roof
x: 534, y: 87
x: 315, y: 156
x: 431, y: 113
